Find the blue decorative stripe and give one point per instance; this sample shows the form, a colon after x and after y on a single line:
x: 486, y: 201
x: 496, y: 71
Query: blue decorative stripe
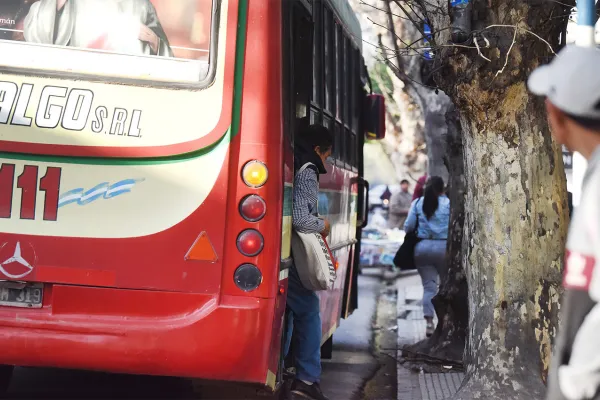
x: 103, y: 190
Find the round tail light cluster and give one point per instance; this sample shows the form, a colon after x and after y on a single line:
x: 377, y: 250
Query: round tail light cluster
x: 247, y: 277
x: 255, y: 174
x: 253, y: 208
x: 250, y: 242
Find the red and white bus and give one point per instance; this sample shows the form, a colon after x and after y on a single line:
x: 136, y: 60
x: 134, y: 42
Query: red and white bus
x: 146, y: 169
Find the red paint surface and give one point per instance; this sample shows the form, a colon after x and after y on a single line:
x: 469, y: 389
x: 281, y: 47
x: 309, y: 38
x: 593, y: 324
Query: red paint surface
x: 27, y: 182
x: 142, y: 332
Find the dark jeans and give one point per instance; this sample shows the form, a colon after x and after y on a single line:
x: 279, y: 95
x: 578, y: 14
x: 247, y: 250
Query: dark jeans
x: 304, y: 321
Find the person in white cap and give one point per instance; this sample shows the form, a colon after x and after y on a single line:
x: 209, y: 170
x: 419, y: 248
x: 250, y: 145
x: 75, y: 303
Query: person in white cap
x: 571, y: 86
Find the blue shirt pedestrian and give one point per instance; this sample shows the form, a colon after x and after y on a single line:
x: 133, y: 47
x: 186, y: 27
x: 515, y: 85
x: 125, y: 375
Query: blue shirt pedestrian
x: 435, y: 228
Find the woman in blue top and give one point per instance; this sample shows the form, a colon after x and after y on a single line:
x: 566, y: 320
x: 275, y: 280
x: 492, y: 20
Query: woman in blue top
x: 432, y: 212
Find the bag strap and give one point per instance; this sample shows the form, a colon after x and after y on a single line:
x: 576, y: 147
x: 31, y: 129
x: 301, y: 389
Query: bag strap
x: 417, y: 212
x: 309, y: 165
x: 302, y: 168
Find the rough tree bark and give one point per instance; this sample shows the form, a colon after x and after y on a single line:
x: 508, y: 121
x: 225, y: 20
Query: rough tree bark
x: 515, y: 211
x: 451, y: 303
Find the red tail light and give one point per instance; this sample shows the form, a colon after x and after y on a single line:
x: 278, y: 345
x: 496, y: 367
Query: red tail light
x: 250, y: 242
x: 253, y: 208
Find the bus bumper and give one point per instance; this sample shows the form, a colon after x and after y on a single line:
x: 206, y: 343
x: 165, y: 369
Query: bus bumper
x: 142, y: 332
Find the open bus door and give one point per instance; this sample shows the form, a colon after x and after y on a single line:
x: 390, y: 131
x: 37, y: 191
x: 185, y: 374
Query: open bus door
x: 372, y: 123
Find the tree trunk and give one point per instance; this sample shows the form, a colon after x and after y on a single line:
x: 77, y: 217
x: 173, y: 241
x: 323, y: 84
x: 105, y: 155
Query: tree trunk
x: 516, y: 212
x: 451, y: 303
x: 516, y: 223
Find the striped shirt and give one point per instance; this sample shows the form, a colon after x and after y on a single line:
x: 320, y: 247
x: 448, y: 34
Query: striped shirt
x: 305, y: 205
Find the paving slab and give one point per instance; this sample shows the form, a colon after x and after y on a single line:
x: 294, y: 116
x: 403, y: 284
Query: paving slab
x: 413, y: 385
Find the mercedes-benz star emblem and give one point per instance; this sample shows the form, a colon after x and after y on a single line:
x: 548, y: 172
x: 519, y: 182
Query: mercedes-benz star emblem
x: 18, y: 259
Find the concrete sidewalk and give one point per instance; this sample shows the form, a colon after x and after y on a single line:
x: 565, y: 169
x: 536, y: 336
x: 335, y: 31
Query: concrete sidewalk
x: 414, y: 385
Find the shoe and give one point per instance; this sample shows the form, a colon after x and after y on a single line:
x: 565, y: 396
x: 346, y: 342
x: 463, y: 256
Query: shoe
x: 289, y: 373
x: 301, y: 390
x: 430, y: 329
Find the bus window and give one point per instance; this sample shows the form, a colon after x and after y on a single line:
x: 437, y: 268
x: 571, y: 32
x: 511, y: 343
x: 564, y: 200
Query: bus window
x: 347, y: 145
x: 315, y: 116
x: 105, y: 37
x: 353, y: 150
x: 303, y: 48
x: 355, y: 90
x: 339, y: 60
x: 329, y: 62
x: 317, y: 96
x: 328, y: 123
x: 339, y: 142
x: 347, y: 79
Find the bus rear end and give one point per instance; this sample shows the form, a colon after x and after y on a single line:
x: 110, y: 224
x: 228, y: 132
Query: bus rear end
x: 132, y: 218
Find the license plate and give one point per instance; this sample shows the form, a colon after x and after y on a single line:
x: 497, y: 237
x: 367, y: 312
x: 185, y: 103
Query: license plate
x: 21, y: 295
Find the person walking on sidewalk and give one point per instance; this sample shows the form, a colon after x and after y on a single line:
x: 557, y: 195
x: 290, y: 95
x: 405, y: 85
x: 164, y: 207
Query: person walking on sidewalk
x: 304, y: 321
x: 399, y: 205
x: 571, y: 86
x: 432, y: 214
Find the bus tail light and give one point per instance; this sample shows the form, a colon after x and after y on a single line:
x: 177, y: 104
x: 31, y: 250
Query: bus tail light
x: 255, y: 174
x: 250, y: 242
x: 253, y: 208
x: 247, y: 277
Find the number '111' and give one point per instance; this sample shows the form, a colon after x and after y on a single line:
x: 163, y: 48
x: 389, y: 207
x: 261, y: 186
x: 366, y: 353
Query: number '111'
x: 28, y: 183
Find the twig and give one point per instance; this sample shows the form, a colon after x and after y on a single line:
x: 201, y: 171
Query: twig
x: 393, y: 33
x: 377, y: 46
x: 381, y: 9
x: 479, y: 50
x: 409, y: 5
x: 415, y: 23
x: 508, y: 53
x: 524, y: 30
x: 487, y: 42
x: 432, y: 34
x: 402, y: 76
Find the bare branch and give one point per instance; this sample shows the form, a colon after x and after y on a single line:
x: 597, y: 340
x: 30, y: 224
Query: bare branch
x: 524, y: 30
x: 415, y: 23
x: 410, y: 5
x: 382, y: 10
x: 479, y: 50
x: 508, y: 52
x: 392, y: 31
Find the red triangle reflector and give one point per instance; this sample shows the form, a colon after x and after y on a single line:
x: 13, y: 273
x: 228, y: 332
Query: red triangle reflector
x: 202, y: 250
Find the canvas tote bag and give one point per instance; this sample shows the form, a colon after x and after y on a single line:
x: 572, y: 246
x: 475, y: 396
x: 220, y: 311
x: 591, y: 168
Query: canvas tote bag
x: 312, y: 257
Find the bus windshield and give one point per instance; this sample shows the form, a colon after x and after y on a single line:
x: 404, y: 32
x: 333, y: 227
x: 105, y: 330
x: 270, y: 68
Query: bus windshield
x: 164, y: 40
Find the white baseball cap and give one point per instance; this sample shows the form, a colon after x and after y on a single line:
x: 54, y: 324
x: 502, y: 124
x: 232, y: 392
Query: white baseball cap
x: 571, y: 81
